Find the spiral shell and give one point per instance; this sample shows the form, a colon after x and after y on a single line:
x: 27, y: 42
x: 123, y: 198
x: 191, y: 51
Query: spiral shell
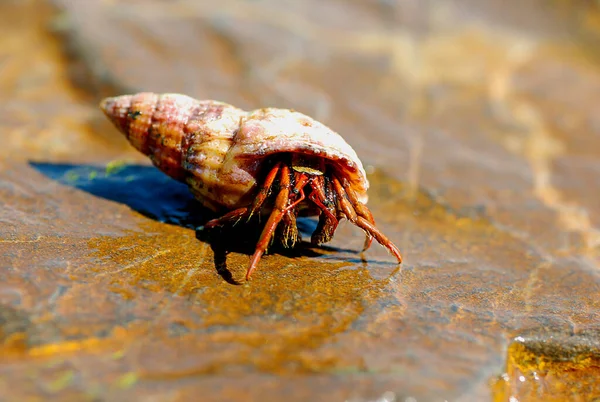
x: 218, y: 149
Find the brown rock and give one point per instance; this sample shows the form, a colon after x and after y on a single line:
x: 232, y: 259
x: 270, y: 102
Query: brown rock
x: 478, y: 121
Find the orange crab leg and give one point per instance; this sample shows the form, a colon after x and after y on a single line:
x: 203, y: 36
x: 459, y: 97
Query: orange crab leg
x: 301, y: 180
x: 318, y: 197
x: 232, y: 216
x: 361, y: 209
x: 237, y: 214
x: 361, y: 222
x: 328, y: 221
x: 380, y: 237
x: 289, y: 230
x: 265, y: 189
x: 343, y: 203
x: 276, y: 215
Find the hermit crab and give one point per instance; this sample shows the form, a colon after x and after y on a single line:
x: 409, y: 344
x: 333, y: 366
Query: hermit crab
x: 272, y: 163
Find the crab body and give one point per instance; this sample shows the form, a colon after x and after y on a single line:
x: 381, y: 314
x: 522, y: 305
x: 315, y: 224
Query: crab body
x: 234, y: 161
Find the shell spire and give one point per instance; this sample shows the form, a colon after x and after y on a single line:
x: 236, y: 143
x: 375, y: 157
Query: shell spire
x: 153, y: 124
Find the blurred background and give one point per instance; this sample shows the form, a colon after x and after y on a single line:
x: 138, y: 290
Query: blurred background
x: 477, y: 122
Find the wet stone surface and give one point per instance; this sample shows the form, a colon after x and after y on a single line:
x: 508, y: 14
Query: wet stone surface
x: 480, y: 132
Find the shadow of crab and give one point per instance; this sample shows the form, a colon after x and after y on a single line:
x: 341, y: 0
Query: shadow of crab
x: 153, y: 194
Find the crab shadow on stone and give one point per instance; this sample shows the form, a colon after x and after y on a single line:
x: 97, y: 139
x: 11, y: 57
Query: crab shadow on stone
x: 151, y: 193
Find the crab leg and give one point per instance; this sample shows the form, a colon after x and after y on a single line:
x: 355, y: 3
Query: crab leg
x: 328, y: 222
x: 237, y: 214
x: 289, y: 230
x: 318, y: 197
x: 361, y: 222
x: 279, y: 210
x: 380, y: 237
x: 265, y: 189
x: 301, y: 180
x: 233, y: 216
x: 361, y: 209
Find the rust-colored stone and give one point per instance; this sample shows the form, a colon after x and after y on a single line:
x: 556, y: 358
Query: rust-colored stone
x: 551, y: 367
x: 479, y: 131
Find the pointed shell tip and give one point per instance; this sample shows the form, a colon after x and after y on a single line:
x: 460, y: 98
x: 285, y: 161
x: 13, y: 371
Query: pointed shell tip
x: 104, y: 104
